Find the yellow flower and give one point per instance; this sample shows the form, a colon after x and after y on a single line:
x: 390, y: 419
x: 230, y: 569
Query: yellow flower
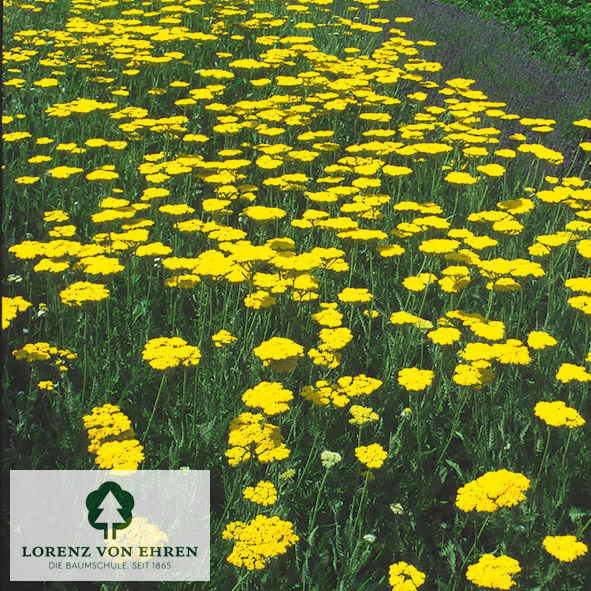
x: 223, y: 337
x: 264, y: 493
x: 565, y: 548
x: 414, y: 379
x: 461, y: 178
x: 280, y: 354
x: 82, y: 292
x: 252, y: 434
x: 163, y: 353
x: 329, y: 316
x: 258, y: 541
x: 352, y: 295
x: 11, y: 307
x: 569, y: 372
x: 63, y: 172
x: 270, y: 397
x: 362, y: 415
x: 493, y: 572
x: 492, y: 490
x: 540, y: 340
x: 120, y: 455
x: 445, y: 335
x: 419, y: 282
x: 403, y: 318
x: 372, y: 456
x: 405, y: 577
x: 557, y: 414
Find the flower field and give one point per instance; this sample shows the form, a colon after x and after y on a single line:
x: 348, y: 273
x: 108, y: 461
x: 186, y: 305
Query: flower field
x: 258, y: 238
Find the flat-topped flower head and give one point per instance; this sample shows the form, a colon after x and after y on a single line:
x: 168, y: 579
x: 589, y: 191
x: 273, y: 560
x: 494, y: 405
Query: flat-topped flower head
x: 557, y: 414
x: 492, y: 490
x: 493, y: 572
x: 372, y: 456
x: 414, y: 379
x: 223, y: 337
x: 330, y: 458
x: 538, y: 339
x: 405, y: 577
x: 255, y: 543
x: 83, y: 292
x: 565, y: 548
x: 164, y: 353
x: 264, y: 493
x: 352, y: 295
x: 568, y: 372
x: 279, y: 354
x: 270, y: 397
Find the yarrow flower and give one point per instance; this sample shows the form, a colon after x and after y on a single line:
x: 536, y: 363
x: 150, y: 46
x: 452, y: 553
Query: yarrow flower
x: 279, y: 354
x: 565, y: 548
x: 412, y: 378
x: 264, y: 493
x: 569, y: 372
x: 11, y: 307
x: 112, y: 439
x: 82, y: 292
x: 223, y: 337
x: 330, y: 458
x: 164, y: 353
x: 258, y: 541
x: 557, y: 414
x: 405, y: 577
x: 252, y: 434
x: 270, y: 397
x: 493, y: 572
x: 492, y: 490
x: 362, y: 415
x: 351, y: 295
x: 372, y: 456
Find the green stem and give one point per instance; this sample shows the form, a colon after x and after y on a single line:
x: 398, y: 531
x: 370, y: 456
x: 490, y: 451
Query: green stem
x: 361, y: 503
x: 154, y: 407
x: 542, y: 463
x: 317, y: 503
x: 472, y: 548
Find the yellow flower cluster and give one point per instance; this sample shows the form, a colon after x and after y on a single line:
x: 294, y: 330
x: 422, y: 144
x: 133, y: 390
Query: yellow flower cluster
x: 372, y: 456
x: 82, y: 292
x: 405, y: 577
x: 264, y: 493
x: 251, y: 435
x: 270, y: 397
x: 565, y: 548
x: 414, y: 379
x: 258, y: 541
x: 280, y: 354
x: 112, y: 439
x: 164, y: 353
x: 362, y: 415
x: 140, y: 532
x: 493, y: 572
x: 492, y: 490
x: 341, y: 392
x: 32, y: 352
x: 557, y: 414
x: 568, y: 372
x: 223, y: 337
x: 11, y: 307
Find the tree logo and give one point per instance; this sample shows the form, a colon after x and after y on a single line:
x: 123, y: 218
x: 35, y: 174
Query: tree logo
x: 109, y: 508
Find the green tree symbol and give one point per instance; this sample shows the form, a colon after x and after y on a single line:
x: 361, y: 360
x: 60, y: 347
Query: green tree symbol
x: 109, y: 507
